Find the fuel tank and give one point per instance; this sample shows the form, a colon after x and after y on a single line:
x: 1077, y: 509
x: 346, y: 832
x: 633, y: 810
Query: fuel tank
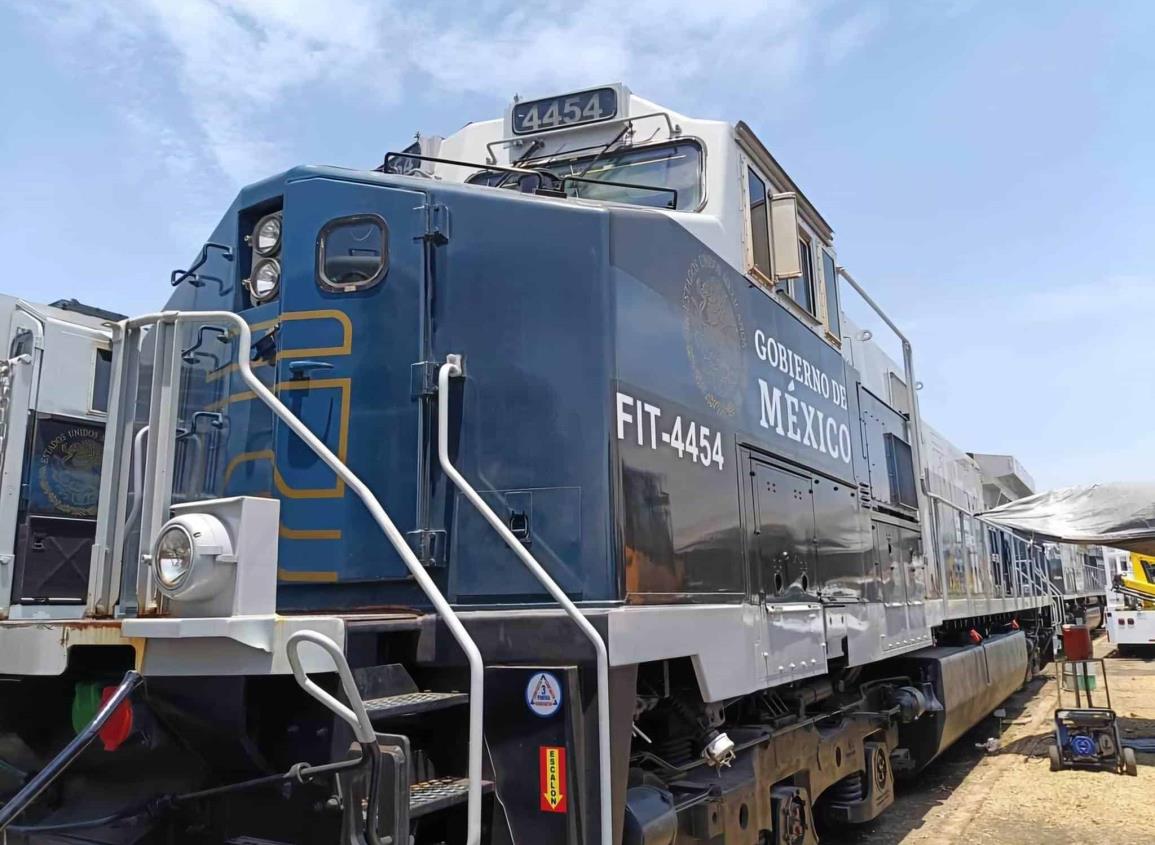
x: 970, y: 681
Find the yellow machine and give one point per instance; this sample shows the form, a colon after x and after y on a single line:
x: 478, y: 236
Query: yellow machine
x: 1140, y: 584
x: 1131, y: 610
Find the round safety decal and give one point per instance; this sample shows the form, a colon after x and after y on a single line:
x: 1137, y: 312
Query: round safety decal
x: 543, y: 694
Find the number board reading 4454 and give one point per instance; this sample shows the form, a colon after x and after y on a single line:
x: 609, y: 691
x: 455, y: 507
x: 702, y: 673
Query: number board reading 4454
x: 568, y: 110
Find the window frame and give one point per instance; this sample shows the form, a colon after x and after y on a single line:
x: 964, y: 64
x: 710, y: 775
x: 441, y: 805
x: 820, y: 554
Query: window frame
x: 767, y: 278
x: 806, y: 250
x: 328, y: 285
x: 828, y: 286
x: 588, y: 154
x: 782, y: 289
x: 94, y: 397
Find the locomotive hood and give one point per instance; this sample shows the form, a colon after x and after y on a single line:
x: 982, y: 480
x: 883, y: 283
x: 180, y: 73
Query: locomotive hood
x: 1118, y: 514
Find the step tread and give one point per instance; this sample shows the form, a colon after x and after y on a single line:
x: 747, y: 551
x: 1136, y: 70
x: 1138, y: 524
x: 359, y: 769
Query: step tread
x: 432, y: 795
x: 413, y: 702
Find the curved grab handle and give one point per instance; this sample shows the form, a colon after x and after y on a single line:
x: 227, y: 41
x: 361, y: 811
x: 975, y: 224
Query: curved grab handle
x: 354, y: 713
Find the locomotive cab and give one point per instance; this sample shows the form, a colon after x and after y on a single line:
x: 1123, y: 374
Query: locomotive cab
x: 611, y: 146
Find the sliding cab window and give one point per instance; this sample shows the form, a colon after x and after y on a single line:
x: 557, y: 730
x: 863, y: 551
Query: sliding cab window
x: 830, y: 281
x: 759, y: 222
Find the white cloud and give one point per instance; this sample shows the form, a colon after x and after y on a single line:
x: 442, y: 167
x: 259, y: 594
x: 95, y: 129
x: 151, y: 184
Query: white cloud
x: 229, y: 63
x: 652, y: 45
x: 850, y: 34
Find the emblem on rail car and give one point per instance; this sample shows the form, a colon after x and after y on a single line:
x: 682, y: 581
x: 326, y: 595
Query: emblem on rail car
x: 69, y: 470
x: 714, y: 334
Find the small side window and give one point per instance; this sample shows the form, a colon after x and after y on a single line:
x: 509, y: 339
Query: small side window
x: 830, y: 280
x: 353, y: 253
x: 101, y: 378
x: 759, y: 224
x: 900, y: 470
x: 804, y: 285
x: 22, y: 344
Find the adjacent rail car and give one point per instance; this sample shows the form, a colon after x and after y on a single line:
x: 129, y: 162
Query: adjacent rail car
x: 533, y: 487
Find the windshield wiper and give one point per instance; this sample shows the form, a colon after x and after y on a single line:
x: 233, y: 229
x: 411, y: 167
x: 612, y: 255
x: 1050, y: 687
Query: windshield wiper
x: 627, y: 128
x: 537, y: 144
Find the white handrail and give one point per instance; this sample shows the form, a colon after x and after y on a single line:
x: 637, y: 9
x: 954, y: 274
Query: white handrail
x: 396, y: 539
x: 452, y: 369
x: 354, y: 712
x: 137, y: 477
x: 1040, y: 579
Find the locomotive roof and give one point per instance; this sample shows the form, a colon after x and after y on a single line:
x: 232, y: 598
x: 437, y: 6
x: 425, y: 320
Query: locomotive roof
x: 637, y: 122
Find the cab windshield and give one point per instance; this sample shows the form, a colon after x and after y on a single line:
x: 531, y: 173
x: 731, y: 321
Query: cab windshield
x: 661, y: 176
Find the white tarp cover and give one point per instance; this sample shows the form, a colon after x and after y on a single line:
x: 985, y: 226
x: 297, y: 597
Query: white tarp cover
x: 1119, y: 515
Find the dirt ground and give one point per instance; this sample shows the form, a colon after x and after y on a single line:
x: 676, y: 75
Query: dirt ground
x: 972, y: 796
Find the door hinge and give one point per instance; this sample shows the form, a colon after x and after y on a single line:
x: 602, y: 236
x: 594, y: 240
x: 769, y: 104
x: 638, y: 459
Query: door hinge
x: 428, y: 545
x: 423, y: 379
x: 436, y: 223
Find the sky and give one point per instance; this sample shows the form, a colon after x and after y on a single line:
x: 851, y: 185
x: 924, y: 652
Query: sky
x: 986, y: 164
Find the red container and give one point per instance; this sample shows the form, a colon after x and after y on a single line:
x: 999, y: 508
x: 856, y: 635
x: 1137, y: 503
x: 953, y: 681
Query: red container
x: 1077, y: 642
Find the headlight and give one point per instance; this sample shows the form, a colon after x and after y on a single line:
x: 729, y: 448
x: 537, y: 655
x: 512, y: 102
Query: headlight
x: 266, y: 238
x: 173, y: 558
x: 265, y: 280
x: 192, y: 557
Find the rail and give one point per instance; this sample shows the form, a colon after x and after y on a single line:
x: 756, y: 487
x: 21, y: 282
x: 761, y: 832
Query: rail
x: 452, y: 368
x: 1040, y: 581
x: 158, y: 471
x: 925, y: 518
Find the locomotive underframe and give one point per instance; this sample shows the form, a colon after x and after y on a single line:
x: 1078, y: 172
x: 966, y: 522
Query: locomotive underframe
x: 827, y: 747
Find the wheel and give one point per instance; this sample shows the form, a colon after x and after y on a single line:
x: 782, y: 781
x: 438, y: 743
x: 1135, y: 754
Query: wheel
x: 1129, y: 764
x: 1057, y: 758
x: 1033, y: 667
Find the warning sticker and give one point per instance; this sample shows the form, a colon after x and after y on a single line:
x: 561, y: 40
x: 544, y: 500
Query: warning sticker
x: 553, y: 789
x: 543, y: 694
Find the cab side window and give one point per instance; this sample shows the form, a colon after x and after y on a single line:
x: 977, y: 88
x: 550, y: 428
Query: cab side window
x: 759, y: 221
x: 353, y: 253
x: 101, y: 379
x: 803, y: 287
x: 830, y: 283
x: 760, y: 261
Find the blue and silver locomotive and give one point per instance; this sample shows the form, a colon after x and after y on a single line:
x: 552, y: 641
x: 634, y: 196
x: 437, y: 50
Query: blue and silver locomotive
x: 531, y: 488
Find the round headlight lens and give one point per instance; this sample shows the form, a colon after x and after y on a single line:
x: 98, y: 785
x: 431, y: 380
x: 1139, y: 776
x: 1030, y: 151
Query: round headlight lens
x: 267, y: 235
x: 265, y: 280
x: 173, y: 559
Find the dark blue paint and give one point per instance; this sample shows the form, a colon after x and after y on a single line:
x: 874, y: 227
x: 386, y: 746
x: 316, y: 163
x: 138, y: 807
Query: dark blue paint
x: 555, y: 307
